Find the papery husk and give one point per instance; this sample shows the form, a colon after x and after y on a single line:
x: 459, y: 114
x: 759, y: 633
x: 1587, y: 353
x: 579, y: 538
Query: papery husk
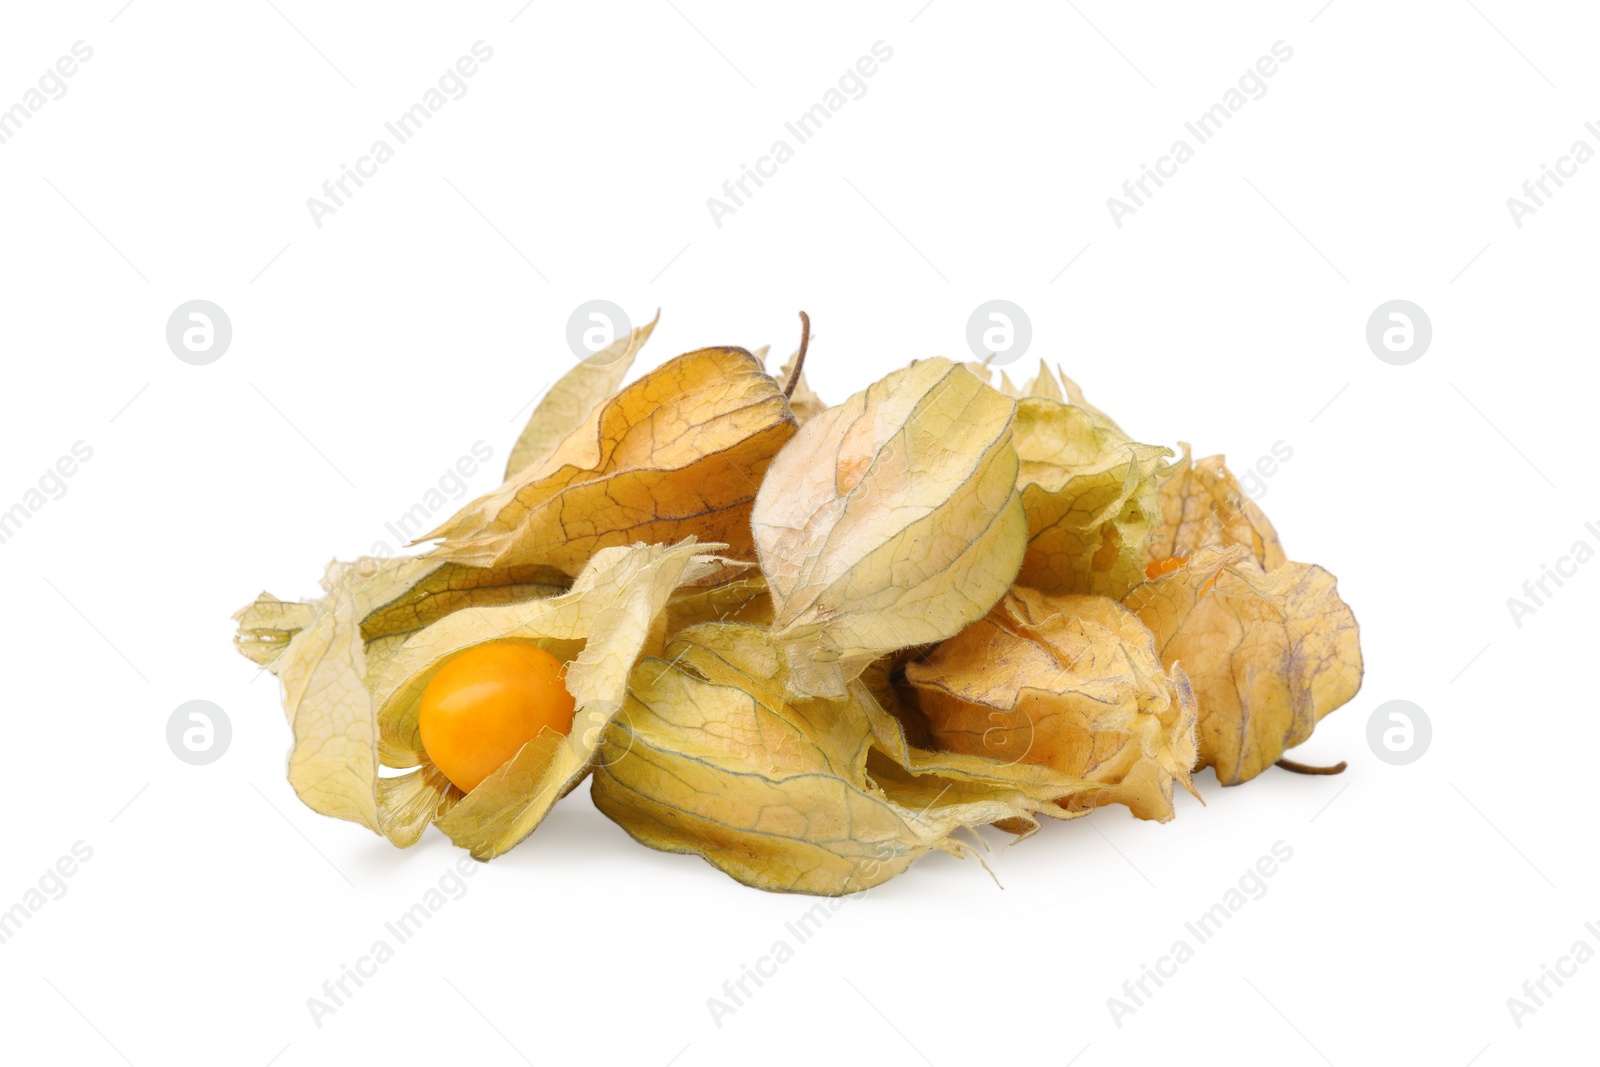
x: 1069, y: 682
x: 395, y: 597
x: 1052, y: 386
x: 320, y: 656
x: 680, y: 452
x: 392, y: 598
x: 1090, y: 493
x: 1269, y: 652
x: 740, y: 600
x: 613, y: 614
x: 890, y: 520
x: 352, y: 716
x: 714, y: 756
x: 1201, y: 496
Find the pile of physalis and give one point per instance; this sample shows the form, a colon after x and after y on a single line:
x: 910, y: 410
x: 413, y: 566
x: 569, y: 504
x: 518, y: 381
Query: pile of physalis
x: 809, y: 643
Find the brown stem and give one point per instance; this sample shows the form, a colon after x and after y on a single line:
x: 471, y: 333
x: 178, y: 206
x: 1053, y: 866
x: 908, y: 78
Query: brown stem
x: 1306, y: 768
x: 800, y: 356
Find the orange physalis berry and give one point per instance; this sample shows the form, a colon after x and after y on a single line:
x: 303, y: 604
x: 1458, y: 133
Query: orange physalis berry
x: 486, y: 703
x: 1160, y: 567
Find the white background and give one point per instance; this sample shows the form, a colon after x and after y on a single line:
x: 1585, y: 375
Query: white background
x: 373, y: 352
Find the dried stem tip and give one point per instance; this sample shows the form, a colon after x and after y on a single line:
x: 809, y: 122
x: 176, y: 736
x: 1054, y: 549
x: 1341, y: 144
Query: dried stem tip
x: 1306, y: 768
x: 800, y: 356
